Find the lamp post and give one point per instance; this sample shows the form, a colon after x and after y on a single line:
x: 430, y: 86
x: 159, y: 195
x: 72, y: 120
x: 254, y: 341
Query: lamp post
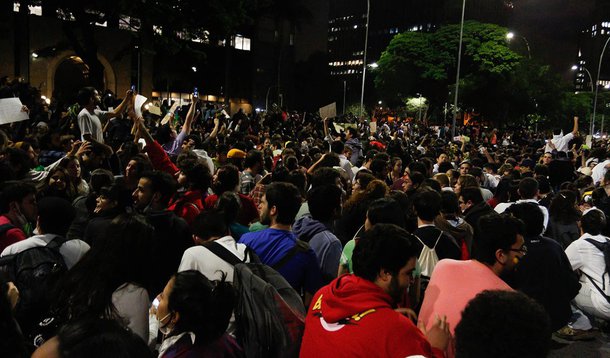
x: 366, y: 44
x: 575, y: 67
x: 599, y: 68
x: 511, y: 35
x: 457, y: 76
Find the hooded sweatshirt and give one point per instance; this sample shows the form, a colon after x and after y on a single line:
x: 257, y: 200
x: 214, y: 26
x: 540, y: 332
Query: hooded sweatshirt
x: 353, y: 317
x: 323, y: 242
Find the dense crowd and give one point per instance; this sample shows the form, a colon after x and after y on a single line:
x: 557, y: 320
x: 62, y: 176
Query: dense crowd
x: 396, y: 239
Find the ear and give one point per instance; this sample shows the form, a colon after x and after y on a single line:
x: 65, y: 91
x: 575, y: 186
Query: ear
x: 197, y: 240
x: 501, y: 256
x: 156, y: 197
x: 384, y: 275
x: 175, y: 318
x: 273, y: 211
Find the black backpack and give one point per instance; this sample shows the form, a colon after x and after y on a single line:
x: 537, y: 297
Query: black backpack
x: 605, y: 248
x: 269, y: 315
x: 35, y: 272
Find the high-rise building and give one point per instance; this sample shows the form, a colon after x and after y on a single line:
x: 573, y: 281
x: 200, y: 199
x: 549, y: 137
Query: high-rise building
x: 591, y: 44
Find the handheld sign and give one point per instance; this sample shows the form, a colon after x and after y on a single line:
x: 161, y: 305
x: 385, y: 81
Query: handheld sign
x: 329, y: 111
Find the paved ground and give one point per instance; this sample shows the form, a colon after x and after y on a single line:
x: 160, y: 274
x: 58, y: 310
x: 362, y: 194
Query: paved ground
x: 598, y: 348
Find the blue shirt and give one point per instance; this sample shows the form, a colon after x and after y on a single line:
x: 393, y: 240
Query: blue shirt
x: 271, y: 245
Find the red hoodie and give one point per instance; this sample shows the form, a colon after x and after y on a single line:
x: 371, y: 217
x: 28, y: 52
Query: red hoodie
x: 353, y: 317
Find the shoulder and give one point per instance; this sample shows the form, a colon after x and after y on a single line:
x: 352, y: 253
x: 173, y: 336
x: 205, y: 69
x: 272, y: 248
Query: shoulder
x: 22, y: 246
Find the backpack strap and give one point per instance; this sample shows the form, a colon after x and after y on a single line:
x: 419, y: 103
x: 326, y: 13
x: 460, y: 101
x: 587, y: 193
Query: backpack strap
x: 601, y: 246
x: 223, y: 253
x: 300, y: 246
x: 56, y: 242
x: 438, y: 239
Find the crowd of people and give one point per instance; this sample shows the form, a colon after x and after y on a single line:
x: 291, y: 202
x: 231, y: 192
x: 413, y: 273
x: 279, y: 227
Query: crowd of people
x: 401, y: 241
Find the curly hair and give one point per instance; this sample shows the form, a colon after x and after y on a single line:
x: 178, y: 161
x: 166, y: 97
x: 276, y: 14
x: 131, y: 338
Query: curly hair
x: 374, y: 190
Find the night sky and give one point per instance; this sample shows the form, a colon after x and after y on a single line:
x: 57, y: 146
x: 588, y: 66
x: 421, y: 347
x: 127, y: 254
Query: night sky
x: 551, y: 27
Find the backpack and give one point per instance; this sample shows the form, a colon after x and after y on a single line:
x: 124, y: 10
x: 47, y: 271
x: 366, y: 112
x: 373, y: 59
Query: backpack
x: 605, y: 248
x: 269, y: 315
x: 428, y: 258
x: 4, y: 228
x: 35, y: 272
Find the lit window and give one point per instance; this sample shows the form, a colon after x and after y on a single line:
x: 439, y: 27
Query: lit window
x: 241, y: 43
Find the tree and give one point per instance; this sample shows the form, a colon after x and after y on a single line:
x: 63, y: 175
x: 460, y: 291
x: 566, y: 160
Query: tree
x: 426, y: 63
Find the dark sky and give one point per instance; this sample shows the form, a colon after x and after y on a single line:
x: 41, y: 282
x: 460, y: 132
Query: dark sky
x: 552, y: 28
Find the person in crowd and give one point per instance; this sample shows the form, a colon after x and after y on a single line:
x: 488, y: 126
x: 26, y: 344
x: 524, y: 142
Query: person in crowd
x: 103, y: 337
x: 356, y: 309
x: 495, y: 320
x: 564, y: 218
x: 545, y: 273
x: 109, y: 282
x: 72, y: 165
x: 587, y: 259
x: 528, y: 193
x: 560, y: 142
x: 325, y: 206
x: 451, y: 221
x: 19, y: 210
x: 395, y: 172
x: 451, y: 286
x: 57, y: 184
x: 193, y: 314
x: 355, y: 208
x: 171, y: 236
x: 109, y: 205
x: 255, y: 165
x: 278, y: 246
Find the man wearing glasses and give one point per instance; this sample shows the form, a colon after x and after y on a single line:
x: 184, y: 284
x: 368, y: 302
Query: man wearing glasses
x: 454, y: 283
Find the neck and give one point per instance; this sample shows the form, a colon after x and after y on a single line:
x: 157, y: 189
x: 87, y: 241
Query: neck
x: 496, y: 268
x: 278, y: 226
x: 421, y: 222
x: 90, y: 107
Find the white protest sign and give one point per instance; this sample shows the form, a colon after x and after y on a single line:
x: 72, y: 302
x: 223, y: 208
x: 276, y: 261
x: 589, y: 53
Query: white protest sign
x: 154, y: 110
x: 329, y: 111
x: 170, y: 114
x: 589, y: 141
x: 140, y: 100
x: 10, y: 111
x: 373, y: 126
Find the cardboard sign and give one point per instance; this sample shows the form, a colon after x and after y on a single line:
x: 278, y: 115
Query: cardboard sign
x: 154, y: 110
x: 373, y: 127
x: 10, y: 111
x: 170, y: 114
x: 329, y: 111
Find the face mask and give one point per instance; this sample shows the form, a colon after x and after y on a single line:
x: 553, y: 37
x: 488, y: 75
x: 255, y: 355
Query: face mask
x: 164, y: 328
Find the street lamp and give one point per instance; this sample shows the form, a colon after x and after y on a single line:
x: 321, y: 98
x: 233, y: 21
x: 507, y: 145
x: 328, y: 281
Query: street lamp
x: 366, y: 44
x: 457, y: 76
x: 511, y: 35
x: 599, y: 68
x: 574, y: 68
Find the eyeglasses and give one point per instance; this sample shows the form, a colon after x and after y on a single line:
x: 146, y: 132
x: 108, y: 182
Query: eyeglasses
x: 522, y: 250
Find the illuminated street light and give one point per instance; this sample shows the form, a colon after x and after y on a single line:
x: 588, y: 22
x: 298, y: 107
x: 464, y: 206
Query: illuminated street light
x: 194, y: 69
x: 574, y: 68
x: 34, y: 55
x: 511, y: 35
x: 373, y: 65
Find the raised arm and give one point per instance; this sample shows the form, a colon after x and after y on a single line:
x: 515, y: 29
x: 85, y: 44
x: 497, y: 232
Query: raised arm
x: 129, y: 97
x: 186, y: 127
x: 575, y: 128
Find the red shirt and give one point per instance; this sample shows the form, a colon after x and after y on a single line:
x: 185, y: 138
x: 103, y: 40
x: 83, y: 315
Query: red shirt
x: 10, y: 236
x: 248, y: 213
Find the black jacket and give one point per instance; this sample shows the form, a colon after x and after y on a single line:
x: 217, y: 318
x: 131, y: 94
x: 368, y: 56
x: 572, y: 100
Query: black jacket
x: 472, y: 216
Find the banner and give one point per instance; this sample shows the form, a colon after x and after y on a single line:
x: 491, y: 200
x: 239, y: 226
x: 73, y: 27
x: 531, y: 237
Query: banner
x: 10, y: 111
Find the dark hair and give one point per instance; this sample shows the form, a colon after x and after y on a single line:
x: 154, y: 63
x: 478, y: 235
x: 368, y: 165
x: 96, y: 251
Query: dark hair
x: 198, y: 175
x: 324, y: 175
x: 528, y: 188
x: 253, y: 157
x: 377, y: 167
x: 55, y: 215
x: 450, y: 203
x: 503, y: 324
x: 100, y: 338
x: 18, y: 161
x: 531, y: 215
x: 386, y: 211
x: 163, y: 183
x: 208, y: 224
x: 431, y: 184
x: 205, y: 308
x: 324, y: 202
x: 100, y: 178
x: 365, y: 178
x: 427, y: 204
x: 299, y: 179
x: 384, y: 246
x: 14, y: 191
x: 337, y: 147
x: 286, y: 198
x: 195, y: 138
x: 471, y: 194
x: 84, y: 95
x: 227, y: 178
x: 229, y: 205
x: 417, y: 178
x: 444, y: 167
x: 497, y: 232
x: 593, y: 222
x: 563, y: 207
x: 121, y: 256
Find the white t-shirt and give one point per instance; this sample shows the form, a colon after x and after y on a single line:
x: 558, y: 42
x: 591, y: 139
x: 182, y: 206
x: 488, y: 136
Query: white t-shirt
x: 71, y: 250
x: 211, y: 266
x: 89, y: 123
x: 500, y: 208
x: 589, y: 260
x: 132, y: 304
x: 560, y: 142
x: 599, y: 171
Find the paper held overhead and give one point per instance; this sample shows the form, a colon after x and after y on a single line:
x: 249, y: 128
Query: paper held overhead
x: 140, y: 100
x: 329, y: 111
x: 170, y: 114
x: 154, y: 110
x: 11, y: 111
